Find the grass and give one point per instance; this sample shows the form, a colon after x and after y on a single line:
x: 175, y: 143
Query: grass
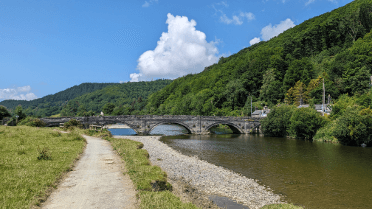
x: 32, y: 160
x: 281, y: 206
x: 164, y: 200
x: 151, y: 182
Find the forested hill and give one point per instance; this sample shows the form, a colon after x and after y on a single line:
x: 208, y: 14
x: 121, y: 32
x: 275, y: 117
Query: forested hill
x: 52, y: 104
x: 121, y: 99
x: 336, y: 46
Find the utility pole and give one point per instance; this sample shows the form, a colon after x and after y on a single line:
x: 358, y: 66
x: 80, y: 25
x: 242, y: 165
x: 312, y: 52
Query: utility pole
x: 323, y: 108
x: 251, y: 106
x: 370, y: 92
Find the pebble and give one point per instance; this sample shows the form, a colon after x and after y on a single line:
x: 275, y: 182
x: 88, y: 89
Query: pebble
x: 206, y: 177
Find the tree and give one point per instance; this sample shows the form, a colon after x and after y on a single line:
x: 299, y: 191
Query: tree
x: 277, y: 121
x: 108, y: 108
x: 352, y: 24
x: 305, y: 122
x: 4, y: 112
x: 19, y: 111
x: 354, y: 126
x: 298, y: 70
x: 235, y: 93
x: 296, y: 94
x: 271, y: 88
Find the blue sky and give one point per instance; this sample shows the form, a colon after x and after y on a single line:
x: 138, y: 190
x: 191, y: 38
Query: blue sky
x: 48, y: 46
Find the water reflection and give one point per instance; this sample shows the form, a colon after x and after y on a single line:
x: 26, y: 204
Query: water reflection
x: 169, y: 130
x: 315, y: 175
x: 122, y: 131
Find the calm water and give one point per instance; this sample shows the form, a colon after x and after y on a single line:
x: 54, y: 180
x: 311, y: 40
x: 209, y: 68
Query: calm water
x: 314, y: 175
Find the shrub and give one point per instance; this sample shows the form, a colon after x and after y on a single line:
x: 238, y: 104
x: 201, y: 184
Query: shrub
x: 353, y: 127
x: 277, y: 121
x: 44, y: 154
x: 72, y: 123
x: 305, y: 122
x: 326, y: 133
x: 31, y: 121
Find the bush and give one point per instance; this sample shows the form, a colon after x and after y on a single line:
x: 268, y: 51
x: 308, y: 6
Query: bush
x: 353, y: 127
x: 305, y: 122
x: 44, y: 154
x: 72, y: 123
x: 277, y: 121
x: 31, y: 121
x: 326, y: 133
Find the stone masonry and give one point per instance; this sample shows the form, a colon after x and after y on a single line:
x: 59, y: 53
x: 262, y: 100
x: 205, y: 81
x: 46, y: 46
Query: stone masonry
x: 144, y: 124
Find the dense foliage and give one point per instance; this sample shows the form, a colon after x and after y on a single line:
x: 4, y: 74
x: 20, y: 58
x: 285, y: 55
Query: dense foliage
x: 351, y: 121
x: 305, y: 122
x: 120, y: 99
x: 52, y: 104
x: 288, y: 120
x: 277, y: 121
x: 32, y: 121
x: 335, y: 46
x: 4, y: 112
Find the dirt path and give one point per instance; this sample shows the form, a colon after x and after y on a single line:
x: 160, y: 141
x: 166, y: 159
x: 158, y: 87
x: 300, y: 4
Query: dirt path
x: 97, y: 181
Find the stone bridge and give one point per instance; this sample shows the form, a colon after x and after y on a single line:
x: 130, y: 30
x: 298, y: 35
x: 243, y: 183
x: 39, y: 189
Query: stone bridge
x: 144, y: 124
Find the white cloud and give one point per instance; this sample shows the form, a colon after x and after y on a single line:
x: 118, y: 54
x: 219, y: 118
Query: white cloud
x: 237, y: 20
x: 312, y: 1
x: 223, y: 3
x: 134, y: 77
x: 249, y: 15
x: 271, y: 31
x: 15, y: 93
x: 309, y: 2
x: 254, y: 41
x: 180, y: 51
x: 148, y: 3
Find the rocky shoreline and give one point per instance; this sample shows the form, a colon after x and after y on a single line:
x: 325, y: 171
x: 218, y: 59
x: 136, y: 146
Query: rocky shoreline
x: 207, y: 178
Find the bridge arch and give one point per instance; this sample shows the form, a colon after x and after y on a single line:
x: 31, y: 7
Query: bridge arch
x: 131, y: 126
x: 152, y: 126
x: 236, y: 129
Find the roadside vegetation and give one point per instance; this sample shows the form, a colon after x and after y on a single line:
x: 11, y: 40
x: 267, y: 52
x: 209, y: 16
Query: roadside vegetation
x: 32, y: 160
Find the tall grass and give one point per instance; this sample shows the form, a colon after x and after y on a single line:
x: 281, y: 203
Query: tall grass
x: 32, y: 161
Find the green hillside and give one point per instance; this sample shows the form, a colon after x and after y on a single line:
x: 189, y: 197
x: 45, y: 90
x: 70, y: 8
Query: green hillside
x: 121, y: 99
x: 52, y: 104
x: 336, y: 47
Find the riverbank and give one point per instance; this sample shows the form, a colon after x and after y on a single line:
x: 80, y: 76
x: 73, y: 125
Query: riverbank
x: 206, y: 178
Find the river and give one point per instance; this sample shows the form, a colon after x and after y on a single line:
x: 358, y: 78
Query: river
x: 310, y: 174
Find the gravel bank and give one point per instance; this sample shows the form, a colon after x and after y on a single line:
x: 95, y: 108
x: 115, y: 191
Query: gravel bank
x: 207, y: 178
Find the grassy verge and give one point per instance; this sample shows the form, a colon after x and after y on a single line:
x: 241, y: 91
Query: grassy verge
x: 281, y: 206
x: 32, y: 160
x: 151, y: 182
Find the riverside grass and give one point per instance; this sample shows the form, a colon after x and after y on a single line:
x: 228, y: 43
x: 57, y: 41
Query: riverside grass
x: 142, y: 174
x: 25, y: 180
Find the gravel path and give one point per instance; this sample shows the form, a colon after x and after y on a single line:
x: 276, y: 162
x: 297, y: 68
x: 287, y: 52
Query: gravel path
x: 207, y: 178
x: 97, y: 181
